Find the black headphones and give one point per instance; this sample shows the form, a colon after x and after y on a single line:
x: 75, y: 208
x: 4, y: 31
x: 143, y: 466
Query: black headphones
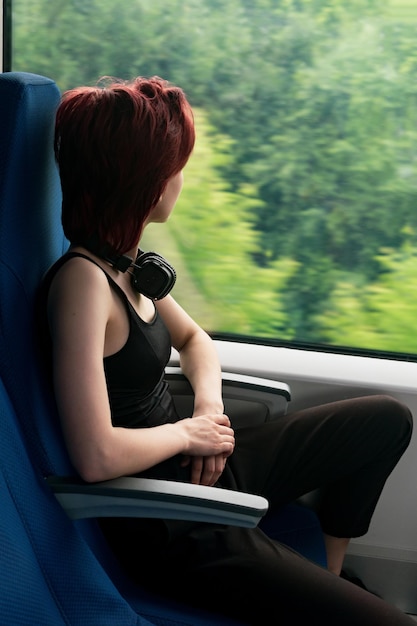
x: 151, y: 274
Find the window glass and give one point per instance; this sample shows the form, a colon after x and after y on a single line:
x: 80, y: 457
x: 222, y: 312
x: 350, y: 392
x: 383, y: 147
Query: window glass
x: 298, y: 219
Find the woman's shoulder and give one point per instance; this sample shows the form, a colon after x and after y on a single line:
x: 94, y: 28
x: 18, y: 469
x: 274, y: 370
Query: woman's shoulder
x: 72, y: 299
x: 77, y: 278
x: 75, y: 266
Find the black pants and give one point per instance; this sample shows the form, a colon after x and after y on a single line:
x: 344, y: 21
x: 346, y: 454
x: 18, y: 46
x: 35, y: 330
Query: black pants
x: 347, y: 449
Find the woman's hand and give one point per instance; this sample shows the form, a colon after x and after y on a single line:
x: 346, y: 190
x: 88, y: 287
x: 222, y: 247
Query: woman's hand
x: 212, y: 441
x: 205, y: 470
x: 207, y: 435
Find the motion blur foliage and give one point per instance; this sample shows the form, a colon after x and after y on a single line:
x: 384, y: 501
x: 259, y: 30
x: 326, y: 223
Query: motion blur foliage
x: 297, y: 220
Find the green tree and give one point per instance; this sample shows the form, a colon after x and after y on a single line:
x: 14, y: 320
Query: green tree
x: 212, y: 231
x: 380, y: 315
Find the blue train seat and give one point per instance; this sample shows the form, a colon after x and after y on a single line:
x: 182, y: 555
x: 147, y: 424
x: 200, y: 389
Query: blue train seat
x: 66, y: 564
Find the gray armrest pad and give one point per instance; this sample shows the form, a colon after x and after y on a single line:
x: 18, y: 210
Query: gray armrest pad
x: 241, y: 381
x: 145, y: 497
x: 248, y: 400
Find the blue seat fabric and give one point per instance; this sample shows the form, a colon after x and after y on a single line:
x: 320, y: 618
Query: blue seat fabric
x: 48, y: 573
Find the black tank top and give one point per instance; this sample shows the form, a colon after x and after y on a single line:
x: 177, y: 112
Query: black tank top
x: 138, y: 394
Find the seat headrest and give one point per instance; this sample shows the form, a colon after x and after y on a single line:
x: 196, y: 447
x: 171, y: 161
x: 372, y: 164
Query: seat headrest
x: 30, y: 191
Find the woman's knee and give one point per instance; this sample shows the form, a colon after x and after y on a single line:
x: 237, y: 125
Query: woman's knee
x: 396, y: 417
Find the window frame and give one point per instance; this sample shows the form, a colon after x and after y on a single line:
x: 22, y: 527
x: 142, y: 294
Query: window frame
x: 6, y: 36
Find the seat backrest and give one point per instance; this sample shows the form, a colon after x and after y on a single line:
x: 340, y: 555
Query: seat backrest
x: 48, y: 574
x: 31, y: 239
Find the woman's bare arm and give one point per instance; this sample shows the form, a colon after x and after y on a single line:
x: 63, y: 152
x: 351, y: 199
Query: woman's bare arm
x: 200, y: 364
x: 198, y: 357
x: 80, y: 310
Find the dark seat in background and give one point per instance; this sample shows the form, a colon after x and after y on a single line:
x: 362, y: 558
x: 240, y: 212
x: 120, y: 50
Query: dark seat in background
x: 55, y: 570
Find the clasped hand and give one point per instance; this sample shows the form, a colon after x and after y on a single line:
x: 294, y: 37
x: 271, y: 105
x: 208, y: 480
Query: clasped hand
x: 212, y: 442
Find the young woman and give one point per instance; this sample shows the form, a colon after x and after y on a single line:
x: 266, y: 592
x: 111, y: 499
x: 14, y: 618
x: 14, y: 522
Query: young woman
x: 121, y: 150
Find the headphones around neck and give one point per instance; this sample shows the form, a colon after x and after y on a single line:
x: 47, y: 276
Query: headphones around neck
x: 151, y: 274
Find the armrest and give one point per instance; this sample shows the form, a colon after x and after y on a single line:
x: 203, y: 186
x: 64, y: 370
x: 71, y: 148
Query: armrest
x: 248, y: 400
x: 240, y: 381
x: 146, y: 497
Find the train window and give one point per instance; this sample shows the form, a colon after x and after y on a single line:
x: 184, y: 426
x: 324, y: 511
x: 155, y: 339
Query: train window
x: 298, y: 219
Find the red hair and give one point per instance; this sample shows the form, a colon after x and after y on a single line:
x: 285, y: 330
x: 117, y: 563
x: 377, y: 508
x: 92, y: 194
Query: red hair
x: 116, y: 148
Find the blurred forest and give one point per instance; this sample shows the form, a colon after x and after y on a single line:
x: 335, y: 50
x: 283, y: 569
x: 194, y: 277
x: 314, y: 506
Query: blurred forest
x: 298, y: 217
